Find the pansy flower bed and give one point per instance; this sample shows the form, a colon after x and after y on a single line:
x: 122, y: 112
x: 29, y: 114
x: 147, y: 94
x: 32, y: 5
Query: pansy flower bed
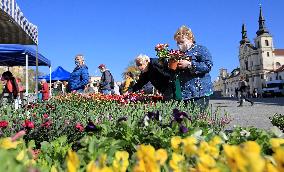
x: 95, y: 132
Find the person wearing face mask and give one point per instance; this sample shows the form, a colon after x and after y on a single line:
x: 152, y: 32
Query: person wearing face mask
x: 155, y: 72
x: 194, y: 84
x: 79, y: 78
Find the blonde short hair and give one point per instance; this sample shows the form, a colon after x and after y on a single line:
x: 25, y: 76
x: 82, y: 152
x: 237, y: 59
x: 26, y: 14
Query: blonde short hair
x: 184, y: 31
x: 142, y: 58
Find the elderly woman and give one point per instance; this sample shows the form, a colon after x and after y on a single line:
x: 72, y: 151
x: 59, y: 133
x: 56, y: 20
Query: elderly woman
x: 154, y: 72
x: 79, y: 78
x: 44, y: 90
x: 193, y: 75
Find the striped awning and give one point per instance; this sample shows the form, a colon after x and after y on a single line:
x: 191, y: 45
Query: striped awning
x: 14, y: 27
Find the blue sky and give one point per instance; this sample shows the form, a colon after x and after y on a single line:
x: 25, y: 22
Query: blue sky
x: 115, y: 32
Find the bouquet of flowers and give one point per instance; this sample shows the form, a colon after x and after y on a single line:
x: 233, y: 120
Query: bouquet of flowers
x: 162, y: 51
x: 172, y: 56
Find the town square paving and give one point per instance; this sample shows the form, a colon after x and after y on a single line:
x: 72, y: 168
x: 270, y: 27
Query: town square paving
x: 256, y: 115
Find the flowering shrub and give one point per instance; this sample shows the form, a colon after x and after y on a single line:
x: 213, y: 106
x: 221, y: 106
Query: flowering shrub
x: 278, y: 121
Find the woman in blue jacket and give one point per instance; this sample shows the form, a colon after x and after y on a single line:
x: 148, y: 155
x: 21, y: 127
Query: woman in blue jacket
x: 79, y: 78
x: 193, y: 73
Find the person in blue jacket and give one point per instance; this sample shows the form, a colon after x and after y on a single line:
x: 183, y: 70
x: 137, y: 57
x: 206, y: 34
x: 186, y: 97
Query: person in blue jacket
x: 79, y: 78
x: 192, y: 79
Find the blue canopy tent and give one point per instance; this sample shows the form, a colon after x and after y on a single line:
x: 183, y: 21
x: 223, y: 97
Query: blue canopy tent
x: 59, y: 74
x: 20, y: 55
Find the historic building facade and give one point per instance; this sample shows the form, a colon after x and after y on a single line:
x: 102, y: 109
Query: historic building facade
x: 257, y: 60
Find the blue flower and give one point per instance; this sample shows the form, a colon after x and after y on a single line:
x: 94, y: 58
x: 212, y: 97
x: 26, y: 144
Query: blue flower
x: 183, y: 129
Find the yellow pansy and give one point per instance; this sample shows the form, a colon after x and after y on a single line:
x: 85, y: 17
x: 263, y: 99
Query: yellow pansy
x: 216, y: 141
x: 269, y: 167
x: 161, y: 156
x: 106, y: 169
x: 7, y: 143
x: 190, y: 147
x: 203, y: 148
x: 279, y: 158
x: 91, y: 167
x: 207, y: 164
x: 72, y: 161
x: 120, y: 163
x: 203, y: 168
x: 234, y: 158
x: 190, y: 140
x: 176, y: 142
x: 251, y: 151
x: 214, y: 151
x: 146, y: 154
x: 276, y: 142
x: 207, y: 161
x: 250, y: 147
x: 146, y: 151
x: 102, y: 160
x: 140, y: 166
x: 176, y: 162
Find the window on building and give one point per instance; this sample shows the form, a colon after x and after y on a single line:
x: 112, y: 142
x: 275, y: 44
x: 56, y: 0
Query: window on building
x: 280, y: 77
x: 262, y: 76
x: 276, y: 77
x: 246, y: 65
x: 267, y: 54
x: 252, y: 79
x: 258, y: 45
x: 270, y: 79
x: 266, y: 43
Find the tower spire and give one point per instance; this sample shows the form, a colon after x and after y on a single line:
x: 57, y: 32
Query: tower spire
x: 244, y: 35
x: 261, y: 23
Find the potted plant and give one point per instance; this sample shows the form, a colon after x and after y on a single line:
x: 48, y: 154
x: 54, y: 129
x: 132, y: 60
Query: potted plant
x: 171, y: 56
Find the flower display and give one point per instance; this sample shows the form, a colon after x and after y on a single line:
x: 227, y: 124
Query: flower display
x: 28, y: 124
x: 79, y: 127
x: 3, y: 124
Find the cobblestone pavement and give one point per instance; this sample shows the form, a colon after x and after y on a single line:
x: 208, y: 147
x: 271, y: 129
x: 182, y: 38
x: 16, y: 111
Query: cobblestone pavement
x: 256, y: 115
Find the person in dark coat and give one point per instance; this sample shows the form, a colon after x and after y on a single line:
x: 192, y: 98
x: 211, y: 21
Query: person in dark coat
x: 156, y: 73
x: 11, y: 87
x: 106, y: 84
x: 243, y: 88
x: 192, y: 76
x: 79, y: 78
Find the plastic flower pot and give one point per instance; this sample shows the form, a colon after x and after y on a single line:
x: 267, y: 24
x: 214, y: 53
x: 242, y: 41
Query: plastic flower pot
x: 173, y: 64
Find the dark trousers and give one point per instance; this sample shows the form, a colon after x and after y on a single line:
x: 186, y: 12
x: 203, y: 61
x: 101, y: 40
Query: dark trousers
x: 242, y: 98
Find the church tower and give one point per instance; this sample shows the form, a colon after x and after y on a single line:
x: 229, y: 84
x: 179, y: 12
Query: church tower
x: 246, y: 50
x: 264, y: 44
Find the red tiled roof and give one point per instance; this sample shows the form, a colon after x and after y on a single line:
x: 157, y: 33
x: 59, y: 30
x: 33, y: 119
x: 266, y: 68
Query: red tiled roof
x: 279, y: 52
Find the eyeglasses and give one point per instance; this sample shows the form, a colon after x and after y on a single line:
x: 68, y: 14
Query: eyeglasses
x: 181, y: 34
x: 139, y: 64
